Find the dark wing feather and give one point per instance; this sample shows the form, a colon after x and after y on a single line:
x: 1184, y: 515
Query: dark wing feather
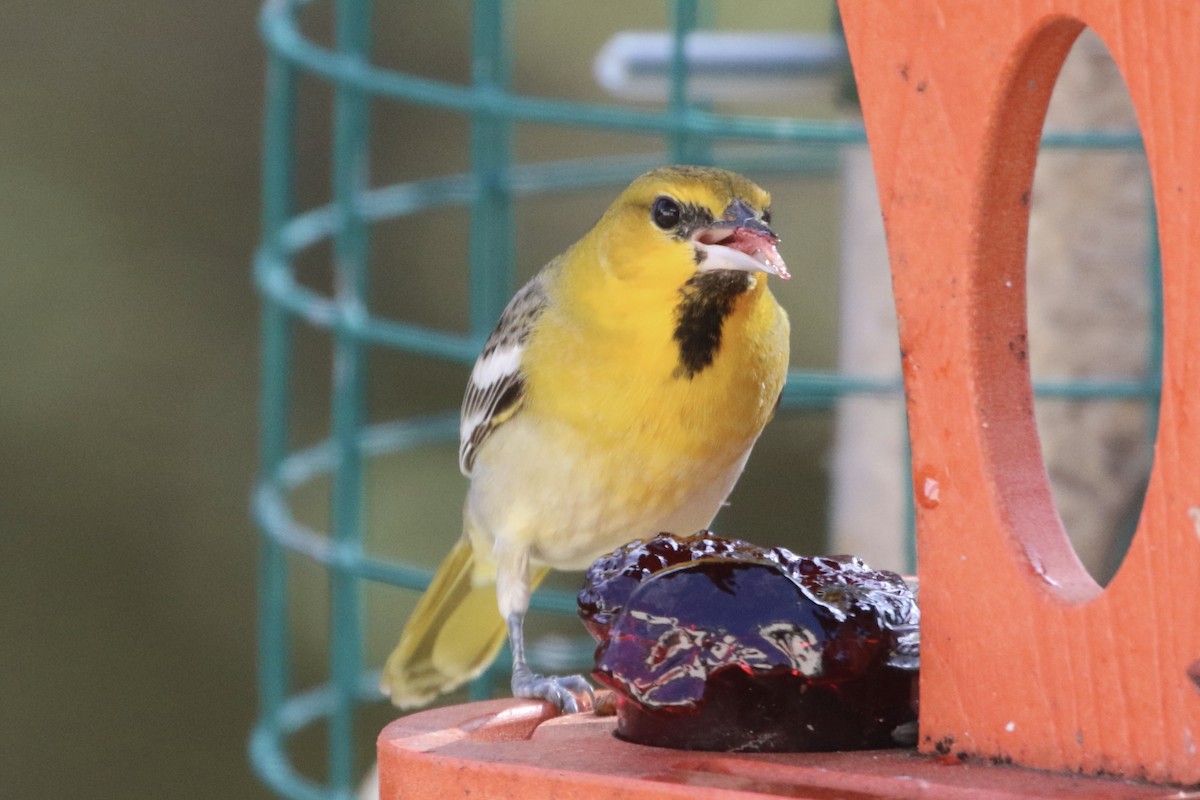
x: 497, y: 385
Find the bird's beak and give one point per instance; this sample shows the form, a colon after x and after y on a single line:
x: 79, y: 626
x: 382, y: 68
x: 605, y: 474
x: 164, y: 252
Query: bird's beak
x: 741, y: 241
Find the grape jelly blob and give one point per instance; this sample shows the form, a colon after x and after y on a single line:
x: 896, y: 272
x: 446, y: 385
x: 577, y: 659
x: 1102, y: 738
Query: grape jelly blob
x: 717, y: 644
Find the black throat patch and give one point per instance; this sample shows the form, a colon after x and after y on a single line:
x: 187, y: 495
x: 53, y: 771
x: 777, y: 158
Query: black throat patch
x: 705, y: 301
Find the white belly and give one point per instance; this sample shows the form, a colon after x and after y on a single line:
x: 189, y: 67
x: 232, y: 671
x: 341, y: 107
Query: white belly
x: 567, y: 502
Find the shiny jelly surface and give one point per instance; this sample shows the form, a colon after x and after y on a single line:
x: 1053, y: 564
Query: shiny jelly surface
x: 717, y: 644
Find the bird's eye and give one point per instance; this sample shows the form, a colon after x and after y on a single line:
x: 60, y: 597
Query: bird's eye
x: 665, y: 212
x: 766, y: 216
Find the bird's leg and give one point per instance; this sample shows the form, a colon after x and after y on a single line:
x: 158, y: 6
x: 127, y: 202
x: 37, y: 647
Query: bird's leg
x: 571, y: 693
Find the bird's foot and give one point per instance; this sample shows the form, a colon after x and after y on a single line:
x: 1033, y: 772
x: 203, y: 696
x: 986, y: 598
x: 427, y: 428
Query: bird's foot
x: 570, y: 693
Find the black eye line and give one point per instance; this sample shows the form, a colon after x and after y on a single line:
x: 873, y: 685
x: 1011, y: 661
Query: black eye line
x: 691, y: 219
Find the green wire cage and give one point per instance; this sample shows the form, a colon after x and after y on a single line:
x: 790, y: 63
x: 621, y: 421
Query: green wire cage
x: 688, y: 131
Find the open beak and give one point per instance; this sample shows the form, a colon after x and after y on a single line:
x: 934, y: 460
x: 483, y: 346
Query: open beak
x: 741, y: 241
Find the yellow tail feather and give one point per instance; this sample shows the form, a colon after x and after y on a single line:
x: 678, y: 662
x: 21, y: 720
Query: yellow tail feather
x: 452, y: 636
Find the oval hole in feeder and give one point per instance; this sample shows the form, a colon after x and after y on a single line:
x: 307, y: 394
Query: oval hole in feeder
x: 1094, y: 334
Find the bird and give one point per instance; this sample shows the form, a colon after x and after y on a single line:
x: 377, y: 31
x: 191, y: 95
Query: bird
x: 619, y: 396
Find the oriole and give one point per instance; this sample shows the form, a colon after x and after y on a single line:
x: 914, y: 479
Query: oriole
x: 619, y: 396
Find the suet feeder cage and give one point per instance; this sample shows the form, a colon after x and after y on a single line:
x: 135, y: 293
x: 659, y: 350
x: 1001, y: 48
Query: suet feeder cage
x: 953, y: 107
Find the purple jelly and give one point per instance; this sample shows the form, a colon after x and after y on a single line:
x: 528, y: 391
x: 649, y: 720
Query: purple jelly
x: 718, y: 644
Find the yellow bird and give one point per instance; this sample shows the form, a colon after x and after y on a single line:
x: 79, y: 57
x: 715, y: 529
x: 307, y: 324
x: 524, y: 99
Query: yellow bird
x: 618, y: 397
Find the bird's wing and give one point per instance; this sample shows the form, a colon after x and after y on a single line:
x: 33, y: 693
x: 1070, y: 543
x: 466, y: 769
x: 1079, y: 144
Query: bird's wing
x: 497, y: 385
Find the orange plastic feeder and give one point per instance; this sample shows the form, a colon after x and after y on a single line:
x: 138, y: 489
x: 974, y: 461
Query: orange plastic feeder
x: 520, y: 749
x: 1025, y: 659
x: 1023, y: 656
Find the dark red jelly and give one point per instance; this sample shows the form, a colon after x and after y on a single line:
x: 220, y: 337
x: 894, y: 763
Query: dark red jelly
x: 717, y: 644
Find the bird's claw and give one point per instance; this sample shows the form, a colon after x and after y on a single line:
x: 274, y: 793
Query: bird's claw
x: 570, y: 693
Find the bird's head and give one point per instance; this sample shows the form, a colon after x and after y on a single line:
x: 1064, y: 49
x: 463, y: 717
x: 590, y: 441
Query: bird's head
x: 674, y: 223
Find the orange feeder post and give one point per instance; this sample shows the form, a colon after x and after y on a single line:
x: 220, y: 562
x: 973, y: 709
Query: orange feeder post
x: 1025, y: 659
x: 1023, y: 656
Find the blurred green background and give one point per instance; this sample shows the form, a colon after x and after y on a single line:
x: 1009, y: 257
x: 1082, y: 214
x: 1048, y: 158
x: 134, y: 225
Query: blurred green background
x: 128, y: 193
x: 129, y: 169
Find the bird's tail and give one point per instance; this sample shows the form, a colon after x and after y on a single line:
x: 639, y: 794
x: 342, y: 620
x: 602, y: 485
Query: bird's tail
x: 452, y: 636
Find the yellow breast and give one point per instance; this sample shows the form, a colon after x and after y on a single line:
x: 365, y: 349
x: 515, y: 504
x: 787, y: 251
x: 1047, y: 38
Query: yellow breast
x: 616, y: 377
